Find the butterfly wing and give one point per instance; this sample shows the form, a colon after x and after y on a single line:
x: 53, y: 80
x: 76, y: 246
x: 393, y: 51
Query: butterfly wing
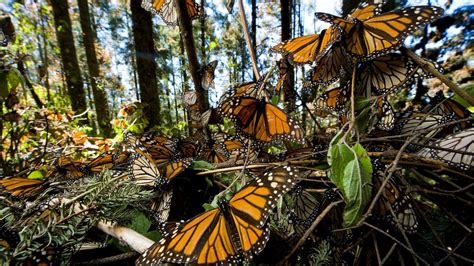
x: 394, y: 206
x: 208, y: 75
x: 203, y: 239
x: 461, y: 147
x: 256, y: 200
x: 365, y: 11
x: 309, y: 48
x: 167, y: 10
x: 143, y: 171
x: 176, y: 167
x: 19, y: 186
x: 333, y: 100
x: 383, y: 33
x: 386, y: 74
x: 385, y: 114
x: 330, y: 67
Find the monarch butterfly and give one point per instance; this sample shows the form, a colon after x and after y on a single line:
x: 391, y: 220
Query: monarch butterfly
x: 144, y: 172
x: 446, y: 106
x: 70, y: 168
x: 393, y: 200
x: 386, y: 74
x: 161, y: 149
x: 369, y: 34
x: 20, y: 186
x: 260, y: 120
x: 330, y: 67
x: 461, y: 151
x: 222, y: 147
x: 385, y: 114
x: 333, y: 100
x: 207, y: 75
x: 167, y: 11
x: 190, y: 98
x: 186, y: 149
x: 102, y: 162
x: 161, y: 205
x: 428, y: 125
x: 234, y: 231
x: 175, y: 167
x: 305, y: 210
x: 310, y: 48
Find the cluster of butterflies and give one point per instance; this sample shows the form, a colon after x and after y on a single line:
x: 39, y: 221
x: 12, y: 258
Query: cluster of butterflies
x: 238, y: 229
x: 364, y: 42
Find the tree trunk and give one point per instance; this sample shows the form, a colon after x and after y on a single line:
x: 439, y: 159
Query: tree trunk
x: 186, y: 30
x: 286, y: 67
x: 146, y: 64
x: 72, y: 71
x: 100, y: 97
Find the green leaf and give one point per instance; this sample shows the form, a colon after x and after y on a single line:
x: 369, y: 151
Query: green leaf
x: 335, y: 141
x: 36, y: 175
x: 341, y: 155
x: 153, y: 235
x: 202, y: 165
x: 469, y: 89
x: 140, y: 223
x: 357, y: 185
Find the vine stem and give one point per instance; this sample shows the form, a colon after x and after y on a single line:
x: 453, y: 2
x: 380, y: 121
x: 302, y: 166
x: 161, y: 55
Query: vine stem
x: 247, y: 39
x: 429, y: 68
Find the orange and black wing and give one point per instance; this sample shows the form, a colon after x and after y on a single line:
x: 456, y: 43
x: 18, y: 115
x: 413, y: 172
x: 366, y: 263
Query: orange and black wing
x: 394, y: 206
x: 71, y: 169
x: 310, y: 48
x: 256, y: 200
x: 175, y: 167
x: 167, y: 10
x: 207, y: 75
x: 204, y: 239
x: 251, y: 206
x: 330, y: 67
x: 261, y: 120
x: 19, y: 186
x: 333, y: 100
x: 369, y: 35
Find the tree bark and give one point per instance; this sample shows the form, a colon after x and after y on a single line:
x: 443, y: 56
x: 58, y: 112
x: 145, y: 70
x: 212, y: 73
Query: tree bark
x: 286, y: 67
x: 100, y: 97
x: 145, y: 59
x: 186, y: 30
x: 72, y: 72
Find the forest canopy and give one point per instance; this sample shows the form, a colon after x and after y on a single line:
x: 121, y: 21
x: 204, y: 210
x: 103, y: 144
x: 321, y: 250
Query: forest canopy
x: 202, y: 132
